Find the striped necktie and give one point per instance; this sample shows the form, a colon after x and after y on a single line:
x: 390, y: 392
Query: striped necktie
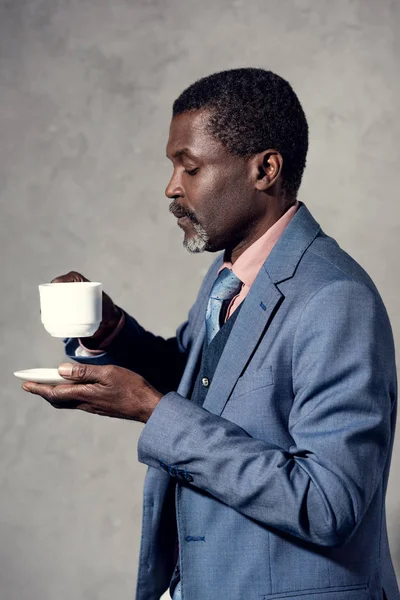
x: 225, y: 287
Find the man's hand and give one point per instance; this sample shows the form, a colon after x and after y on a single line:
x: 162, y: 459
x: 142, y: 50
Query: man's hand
x: 111, y: 314
x: 104, y: 390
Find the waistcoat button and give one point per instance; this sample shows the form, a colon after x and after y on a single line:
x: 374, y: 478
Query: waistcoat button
x: 205, y: 381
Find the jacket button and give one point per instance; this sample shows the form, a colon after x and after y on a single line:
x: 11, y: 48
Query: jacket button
x: 205, y: 381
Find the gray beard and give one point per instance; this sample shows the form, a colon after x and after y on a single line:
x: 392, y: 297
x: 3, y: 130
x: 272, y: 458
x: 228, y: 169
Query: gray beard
x: 198, y: 242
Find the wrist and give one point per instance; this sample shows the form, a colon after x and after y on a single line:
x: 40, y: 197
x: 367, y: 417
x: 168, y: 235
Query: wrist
x: 105, y: 330
x: 152, y: 400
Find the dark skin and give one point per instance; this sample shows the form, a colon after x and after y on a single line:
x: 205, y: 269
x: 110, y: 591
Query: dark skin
x: 234, y: 200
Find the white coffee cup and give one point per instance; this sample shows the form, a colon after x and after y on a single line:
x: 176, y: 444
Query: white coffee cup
x: 72, y: 309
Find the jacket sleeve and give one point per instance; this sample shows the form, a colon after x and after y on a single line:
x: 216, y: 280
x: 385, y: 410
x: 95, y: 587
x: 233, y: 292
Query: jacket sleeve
x: 341, y: 424
x: 160, y: 361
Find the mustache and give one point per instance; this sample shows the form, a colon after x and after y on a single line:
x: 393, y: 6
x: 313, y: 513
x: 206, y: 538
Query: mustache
x: 180, y: 211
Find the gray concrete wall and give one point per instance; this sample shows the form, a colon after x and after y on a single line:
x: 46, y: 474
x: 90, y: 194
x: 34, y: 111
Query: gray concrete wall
x: 86, y: 93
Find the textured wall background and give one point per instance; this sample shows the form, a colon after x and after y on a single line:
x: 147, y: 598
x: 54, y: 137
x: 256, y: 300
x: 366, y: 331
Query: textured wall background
x: 86, y: 94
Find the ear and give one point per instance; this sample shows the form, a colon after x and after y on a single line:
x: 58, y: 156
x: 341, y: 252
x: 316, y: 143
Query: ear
x: 267, y: 167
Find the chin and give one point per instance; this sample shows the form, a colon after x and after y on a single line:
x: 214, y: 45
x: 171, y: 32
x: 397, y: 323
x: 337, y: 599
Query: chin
x: 195, y: 245
x: 198, y: 242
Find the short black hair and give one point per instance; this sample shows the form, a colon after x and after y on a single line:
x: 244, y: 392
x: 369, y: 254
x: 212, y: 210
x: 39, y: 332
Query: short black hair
x: 253, y: 110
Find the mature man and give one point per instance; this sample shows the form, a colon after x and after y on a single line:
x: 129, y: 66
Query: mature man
x: 270, y: 417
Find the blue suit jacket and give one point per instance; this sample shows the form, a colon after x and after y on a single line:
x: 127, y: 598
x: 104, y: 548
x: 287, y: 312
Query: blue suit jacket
x: 281, y: 475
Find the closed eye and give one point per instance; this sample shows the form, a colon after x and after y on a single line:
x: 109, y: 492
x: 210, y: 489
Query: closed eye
x: 192, y: 172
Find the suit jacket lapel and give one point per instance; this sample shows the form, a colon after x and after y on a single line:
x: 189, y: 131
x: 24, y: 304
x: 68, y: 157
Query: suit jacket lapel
x: 252, y: 320
x: 259, y: 306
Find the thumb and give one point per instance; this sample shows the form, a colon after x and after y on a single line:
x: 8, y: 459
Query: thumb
x: 80, y: 372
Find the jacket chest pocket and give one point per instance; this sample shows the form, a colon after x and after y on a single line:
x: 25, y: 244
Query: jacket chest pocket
x: 254, y: 380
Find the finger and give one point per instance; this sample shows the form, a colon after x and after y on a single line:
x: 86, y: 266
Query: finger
x: 37, y: 388
x: 85, y: 373
x: 71, y: 277
x: 61, y: 396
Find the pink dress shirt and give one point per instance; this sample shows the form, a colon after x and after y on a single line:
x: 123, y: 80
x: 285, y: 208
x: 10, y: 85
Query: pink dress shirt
x: 250, y: 262
x: 246, y: 268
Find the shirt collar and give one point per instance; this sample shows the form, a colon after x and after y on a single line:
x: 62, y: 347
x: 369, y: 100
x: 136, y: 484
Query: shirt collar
x: 250, y: 262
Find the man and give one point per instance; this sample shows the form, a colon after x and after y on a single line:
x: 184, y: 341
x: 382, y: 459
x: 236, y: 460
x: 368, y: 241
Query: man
x: 270, y: 417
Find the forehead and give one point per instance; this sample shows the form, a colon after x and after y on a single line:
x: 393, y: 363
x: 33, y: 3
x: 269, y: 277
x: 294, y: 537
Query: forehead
x: 188, y: 136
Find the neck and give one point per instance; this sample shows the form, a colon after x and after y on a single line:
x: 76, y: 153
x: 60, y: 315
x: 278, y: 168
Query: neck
x: 277, y: 210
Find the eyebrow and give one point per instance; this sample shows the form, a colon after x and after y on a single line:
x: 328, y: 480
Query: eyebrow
x: 180, y: 152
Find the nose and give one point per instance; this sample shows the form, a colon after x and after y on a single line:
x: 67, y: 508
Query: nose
x: 174, y: 188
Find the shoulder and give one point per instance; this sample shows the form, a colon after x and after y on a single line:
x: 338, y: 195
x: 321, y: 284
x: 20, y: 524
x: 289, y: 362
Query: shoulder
x: 330, y: 263
x: 326, y: 268
x: 329, y: 288
x: 336, y: 291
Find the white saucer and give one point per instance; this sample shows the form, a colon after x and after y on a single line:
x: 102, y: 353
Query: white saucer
x: 50, y: 376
